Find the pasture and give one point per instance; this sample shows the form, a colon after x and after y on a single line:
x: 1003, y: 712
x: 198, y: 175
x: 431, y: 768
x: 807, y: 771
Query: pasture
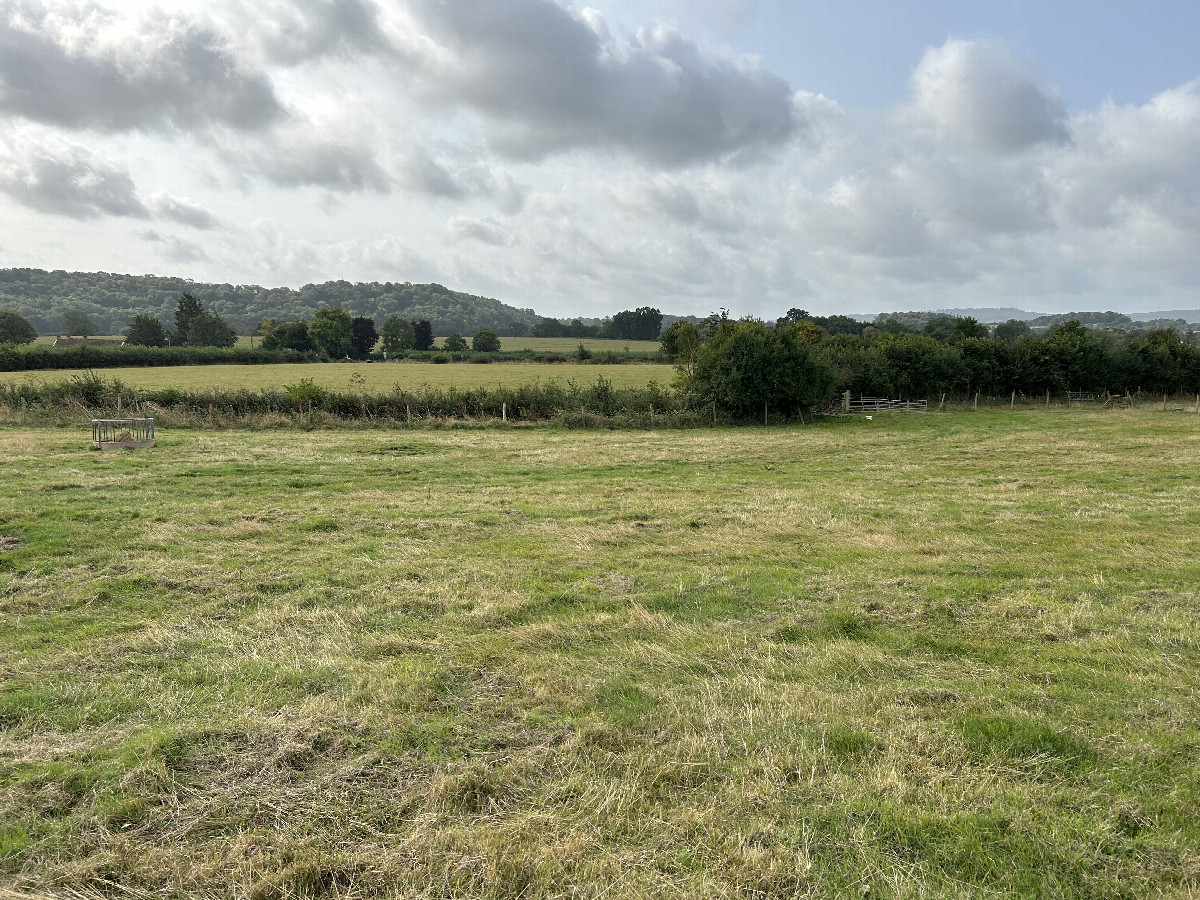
x: 358, y: 376
x: 943, y: 655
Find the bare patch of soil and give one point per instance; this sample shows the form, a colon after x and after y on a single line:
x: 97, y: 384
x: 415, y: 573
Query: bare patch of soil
x: 10, y: 543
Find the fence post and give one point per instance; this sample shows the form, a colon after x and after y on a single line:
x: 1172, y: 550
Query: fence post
x: 1013, y: 403
x: 408, y: 413
x: 942, y: 404
x: 714, y: 414
x: 764, y: 412
x: 1047, y: 398
x: 977, y: 400
x: 504, y: 412
x: 846, y: 401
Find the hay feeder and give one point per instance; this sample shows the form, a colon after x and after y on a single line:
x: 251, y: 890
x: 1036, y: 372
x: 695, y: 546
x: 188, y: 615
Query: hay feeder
x: 121, y: 434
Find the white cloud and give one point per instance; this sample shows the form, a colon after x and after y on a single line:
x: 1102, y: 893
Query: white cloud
x: 979, y: 96
x: 65, y: 179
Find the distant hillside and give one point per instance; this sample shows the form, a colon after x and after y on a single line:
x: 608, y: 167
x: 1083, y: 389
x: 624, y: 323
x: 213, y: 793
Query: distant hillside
x: 111, y: 301
x: 992, y: 315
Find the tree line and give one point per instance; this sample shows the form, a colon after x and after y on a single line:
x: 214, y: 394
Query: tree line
x: 796, y: 366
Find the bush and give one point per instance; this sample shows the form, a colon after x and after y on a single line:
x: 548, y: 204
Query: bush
x: 485, y: 341
x: 746, y: 366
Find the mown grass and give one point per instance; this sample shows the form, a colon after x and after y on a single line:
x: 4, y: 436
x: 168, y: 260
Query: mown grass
x: 941, y: 655
x: 358, y: 377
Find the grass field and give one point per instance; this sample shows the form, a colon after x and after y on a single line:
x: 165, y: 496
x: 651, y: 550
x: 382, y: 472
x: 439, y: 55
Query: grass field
x: 377, y: 377
x: 945, y: 655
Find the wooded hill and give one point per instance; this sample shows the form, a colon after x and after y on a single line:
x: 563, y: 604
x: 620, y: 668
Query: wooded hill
x: 111, y: 301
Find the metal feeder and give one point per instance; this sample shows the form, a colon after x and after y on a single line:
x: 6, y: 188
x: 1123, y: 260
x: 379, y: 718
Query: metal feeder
x: 120, y: 434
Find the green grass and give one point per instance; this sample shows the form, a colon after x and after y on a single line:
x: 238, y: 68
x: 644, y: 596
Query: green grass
x: 357, y: 376
x: 943, y: 655
x: 571, y: 345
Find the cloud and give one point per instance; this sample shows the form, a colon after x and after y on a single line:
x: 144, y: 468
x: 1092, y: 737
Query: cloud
x: 77, y: 67
x: 295, y: 31
x: 979, y: 96
x: 550, y: 79
x: 185, y: 212
x: 295, y: 159
x: 67, y: 180
x: 486, y: 231
x: 421, y: 173
x: 176, y: 249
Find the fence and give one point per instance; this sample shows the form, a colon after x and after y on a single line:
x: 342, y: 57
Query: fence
x: 881, y: 404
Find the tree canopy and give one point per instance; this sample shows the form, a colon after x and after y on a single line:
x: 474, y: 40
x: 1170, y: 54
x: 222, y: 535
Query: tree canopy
x: 15, y: 329
x: 146, y: 331
x: 331, y: 330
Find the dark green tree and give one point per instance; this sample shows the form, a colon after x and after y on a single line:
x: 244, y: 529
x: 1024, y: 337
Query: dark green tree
x: 746, y: 366
x: 455, y: 342
x: 641, y: 324
x: 288, y: 336
x: 1012, y: 330
x: 363, y: 336
x: 210, y: 330
x: 398, y: 336
x: 146, y: 331
x: 15, y: 329
x: 422, y: 335
x: 77, y: 323
x: 187, y: 310
x: 485, y: 341
x: 547, y: 328
x: 331, y: 331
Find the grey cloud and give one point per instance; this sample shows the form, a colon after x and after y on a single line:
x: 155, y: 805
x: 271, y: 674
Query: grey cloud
x: 170, y: 74
x: 554, y: 80
x: 978, y: 96
x: 338, y: 167
x: 422, y: 173
x: 294, y: 31
x: 175, y: 249
x: 185, y: 212
x: 487, y: 231
x: 70, y: 182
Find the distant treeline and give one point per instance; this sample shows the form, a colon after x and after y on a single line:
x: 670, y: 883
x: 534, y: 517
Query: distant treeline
x: 112, y: 301
x: 959, y: 357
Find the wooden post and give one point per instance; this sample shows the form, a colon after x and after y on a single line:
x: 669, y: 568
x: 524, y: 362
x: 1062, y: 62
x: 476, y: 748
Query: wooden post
x: 764, y: 412
x: 942, y: 404
x: 651, y: 415
x: 977, y: 400
x: 1047, y: 398
x: 846, y: 402
x: 408, y: 413
x: 1013, y: 403
x: 504, y: 412
x: 714, y: 414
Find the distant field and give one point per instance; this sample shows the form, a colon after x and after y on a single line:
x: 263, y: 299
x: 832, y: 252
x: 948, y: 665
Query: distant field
x: 571, y: 345
x: 950, y: 655
x: 379, y: 377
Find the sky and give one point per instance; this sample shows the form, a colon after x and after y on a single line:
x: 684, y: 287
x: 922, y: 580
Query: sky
x: 840, y: 156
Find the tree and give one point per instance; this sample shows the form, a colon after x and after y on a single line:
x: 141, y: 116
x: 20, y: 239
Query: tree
x: 422, y: 335
x: 75, y: 322
x: 210, y: 330
x: 548, y: 328
x: 331, y: 331
x: 1012, y: 330
x: 745, y: 366
x: 146, y: 331
x: 287, y: 336
x: 455, y: 342
x: 363, y: 336
x: 187, y: 310
x: 15, y: 329
x: 485, y: 341
x: 641, y: 324
x: 398, y: 335
x: 679, y: 345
